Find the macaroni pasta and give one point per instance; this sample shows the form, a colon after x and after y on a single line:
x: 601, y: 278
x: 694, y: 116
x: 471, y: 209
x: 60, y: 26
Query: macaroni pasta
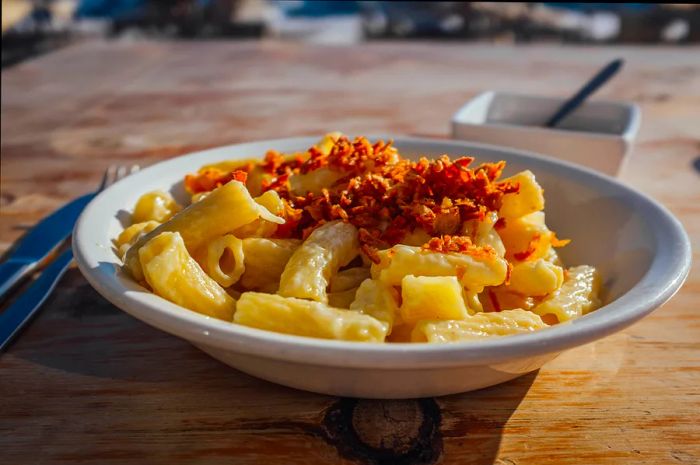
x: 350, y: 241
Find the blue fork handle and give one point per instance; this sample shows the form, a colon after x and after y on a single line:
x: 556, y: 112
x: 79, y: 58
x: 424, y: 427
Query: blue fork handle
x: 11, y: 273
x: 17, y: 315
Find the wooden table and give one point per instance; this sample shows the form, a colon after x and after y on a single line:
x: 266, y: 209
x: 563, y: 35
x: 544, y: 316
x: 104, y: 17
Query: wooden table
x: 89, y: 384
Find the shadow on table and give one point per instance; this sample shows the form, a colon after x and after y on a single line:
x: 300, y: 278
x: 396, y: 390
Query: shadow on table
x: 79, y: 332
x: 112, y: 354
x: 473, y: 422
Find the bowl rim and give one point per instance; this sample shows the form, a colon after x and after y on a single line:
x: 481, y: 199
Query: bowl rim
x: 672, y: 259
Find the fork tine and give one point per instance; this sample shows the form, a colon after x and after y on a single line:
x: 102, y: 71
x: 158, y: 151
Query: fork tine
x: 114, y: 173
x: 108, y: 177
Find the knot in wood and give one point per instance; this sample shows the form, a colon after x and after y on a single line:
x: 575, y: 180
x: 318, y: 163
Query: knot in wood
x: 390, y: 425
x: 385, y: 432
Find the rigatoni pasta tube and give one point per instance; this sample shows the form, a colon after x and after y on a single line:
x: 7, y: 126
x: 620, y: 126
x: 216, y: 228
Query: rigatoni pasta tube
x: 225, y: 209
x: 473, y: 271
x: 577, y: 296
x: 155, y: 206
x: 261, y: 227
x: 319, y: 257
x: 315, y: 182
x: 535, y: 278
x: 175, y: 276
x: 483, y: 233
x: 416, y: 238
x: 264, y: 262
x: 306, y: 318
x: 133, y: 233
x: 342, y: 299
x: 528, y: 199
x: 500, y: 298
x: 348, y: 279
x: 225, y: 260
x: 431, y: 298
x: 477, y: 326
x: 377, y: 299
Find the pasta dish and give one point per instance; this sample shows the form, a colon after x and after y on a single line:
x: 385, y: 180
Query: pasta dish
x: 351, y: 241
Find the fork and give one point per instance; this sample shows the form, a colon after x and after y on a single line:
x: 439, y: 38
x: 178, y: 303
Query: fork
x: 20, y: 312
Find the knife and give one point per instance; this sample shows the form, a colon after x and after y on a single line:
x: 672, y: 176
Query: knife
x: 39, y: 242
x: 12, y: 319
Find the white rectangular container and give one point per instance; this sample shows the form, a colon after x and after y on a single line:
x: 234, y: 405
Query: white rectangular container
x: 598, y: 134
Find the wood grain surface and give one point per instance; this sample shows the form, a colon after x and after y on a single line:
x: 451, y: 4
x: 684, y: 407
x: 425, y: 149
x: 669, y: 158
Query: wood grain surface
x: 87, y: 383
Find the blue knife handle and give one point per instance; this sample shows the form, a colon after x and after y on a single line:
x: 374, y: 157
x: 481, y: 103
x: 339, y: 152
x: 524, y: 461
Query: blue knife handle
x: 11, y: 272
x: 17, y: 315
x: 39, y: 242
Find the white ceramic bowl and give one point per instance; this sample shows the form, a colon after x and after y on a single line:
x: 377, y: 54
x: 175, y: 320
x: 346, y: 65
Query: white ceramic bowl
x: 598, y: 134
x: 641, y: 250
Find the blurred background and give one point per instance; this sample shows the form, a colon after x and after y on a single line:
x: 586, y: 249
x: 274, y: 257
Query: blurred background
x: 33, y: 27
